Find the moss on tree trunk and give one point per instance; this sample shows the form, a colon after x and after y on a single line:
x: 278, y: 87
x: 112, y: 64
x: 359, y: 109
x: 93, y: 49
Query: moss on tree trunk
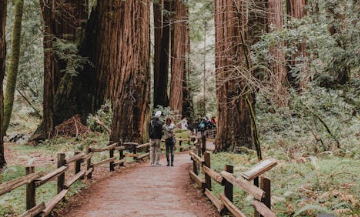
x: 3, y: 11
x: 14, y: 64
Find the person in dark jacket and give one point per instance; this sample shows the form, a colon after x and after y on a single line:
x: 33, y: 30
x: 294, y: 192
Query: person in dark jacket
x: 155, y: 134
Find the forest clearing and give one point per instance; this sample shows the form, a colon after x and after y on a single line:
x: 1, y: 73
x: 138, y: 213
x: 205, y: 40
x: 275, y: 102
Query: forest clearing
x: 259, y: 100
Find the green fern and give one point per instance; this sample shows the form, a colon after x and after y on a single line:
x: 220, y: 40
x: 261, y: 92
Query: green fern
x: 313, y: 208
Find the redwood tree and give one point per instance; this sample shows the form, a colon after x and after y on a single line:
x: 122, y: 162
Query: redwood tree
x: 130, y: 77
x: 278, y: 64
x: 232, y: 54
x: 3, y: 11
x: 161, y: 51
x: 180, y: 50
x: 62, y: 21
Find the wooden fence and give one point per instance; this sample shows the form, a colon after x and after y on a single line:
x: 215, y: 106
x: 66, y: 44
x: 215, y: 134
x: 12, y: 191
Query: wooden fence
x: 84, y: 167
x: 224, y: 204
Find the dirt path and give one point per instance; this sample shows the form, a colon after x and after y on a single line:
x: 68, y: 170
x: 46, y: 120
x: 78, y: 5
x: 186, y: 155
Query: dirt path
x: 146, y: 191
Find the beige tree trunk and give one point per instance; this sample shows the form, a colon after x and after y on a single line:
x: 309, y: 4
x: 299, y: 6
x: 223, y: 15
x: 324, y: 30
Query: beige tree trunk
x: 3, y: 12
x: 232, y: 56
x: 296, y: 9
x: 130, y: 78
x: 179, y: 53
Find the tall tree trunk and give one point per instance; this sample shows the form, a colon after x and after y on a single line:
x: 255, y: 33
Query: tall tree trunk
x: 14, y: 64
x: 278, y: 64
x: 62, y: 20
x: 3, y: 10
x: 130, y: 79
x: 232, y: 54
x: 178, y: 56
x: 162, y: 51
x: 296, y: 9
x: 187, y: 105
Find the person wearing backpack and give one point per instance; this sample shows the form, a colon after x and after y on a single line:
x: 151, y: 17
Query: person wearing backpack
x: 169, y: 132
x: 155, y: 134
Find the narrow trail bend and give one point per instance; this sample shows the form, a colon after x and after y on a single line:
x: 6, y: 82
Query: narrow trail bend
x: 146, y: 191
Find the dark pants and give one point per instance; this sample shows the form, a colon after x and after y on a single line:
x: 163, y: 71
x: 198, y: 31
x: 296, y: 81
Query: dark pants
x: 169, y: 150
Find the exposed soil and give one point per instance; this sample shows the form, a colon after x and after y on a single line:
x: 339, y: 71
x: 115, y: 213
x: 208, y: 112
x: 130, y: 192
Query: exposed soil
x: 144, y: 191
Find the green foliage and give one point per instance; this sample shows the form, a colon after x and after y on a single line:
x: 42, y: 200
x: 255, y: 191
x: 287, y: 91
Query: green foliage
x: 321, y: 184
x: 104, y: 114
x: 67, y: 51
x: 312, y: 207
x: 165, y: 112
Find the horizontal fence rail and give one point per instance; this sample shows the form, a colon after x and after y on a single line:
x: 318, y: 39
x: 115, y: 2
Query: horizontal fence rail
x: 83, y: 167
x: 224, y: 204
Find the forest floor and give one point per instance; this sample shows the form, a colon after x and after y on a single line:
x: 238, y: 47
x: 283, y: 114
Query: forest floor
x: 144, y: 191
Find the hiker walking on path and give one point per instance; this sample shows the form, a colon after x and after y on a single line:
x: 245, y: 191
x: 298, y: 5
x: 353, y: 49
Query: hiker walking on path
x: 169, y: 130
x: 155, y: 134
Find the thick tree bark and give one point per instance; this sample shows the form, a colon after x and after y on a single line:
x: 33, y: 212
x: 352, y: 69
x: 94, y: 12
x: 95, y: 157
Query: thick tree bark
x: 3, y: 10
x: 14, y: 64
x: 296, y: 9
x: 62, y: 20
x: 130, y: 79
x: 232, y: 54
x: 180, y: 47
x: 161, y: 52
x: 278, y: 64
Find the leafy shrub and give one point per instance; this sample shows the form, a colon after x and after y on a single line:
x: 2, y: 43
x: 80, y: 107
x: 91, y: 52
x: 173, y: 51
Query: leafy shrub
x: 104, y: 114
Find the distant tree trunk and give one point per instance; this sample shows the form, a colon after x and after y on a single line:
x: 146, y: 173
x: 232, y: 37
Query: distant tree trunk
x: 278, y: 64
x: 14, y: 64
x: 187, y: 104
x: 296, y: 9
x: 62, y: 20
x: 3, y: 11
x: 130, y: 78
x: 232, y: 54
x: 162, y: 52
x: 178, y: 55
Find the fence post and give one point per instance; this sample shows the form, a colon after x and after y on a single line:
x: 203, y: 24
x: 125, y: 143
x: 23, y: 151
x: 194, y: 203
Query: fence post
x: 135, y: 152
x: 77, y: 163
x: 30, y: 190
x: 228, y: 191
x: 111, y: 153
x: 121, y: 155
x: 195, y: 163
x: 88, y: 162
x: 203, y: 140
x: 207, y: 177
x: 198, y: 146
x: 61, y: 179
x: 256, y: 183
x: 266, y: 187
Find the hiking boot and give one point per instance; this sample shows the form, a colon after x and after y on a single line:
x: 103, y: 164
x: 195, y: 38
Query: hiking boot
x: 167, y: 164
x: 172, y: 164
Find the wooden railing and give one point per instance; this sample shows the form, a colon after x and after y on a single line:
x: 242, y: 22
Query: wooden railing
x: 224, y: 204
x: 33, y: 179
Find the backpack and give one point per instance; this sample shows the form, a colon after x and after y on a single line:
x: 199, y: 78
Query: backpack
x: 153, y: 130
x: 202, y: 125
